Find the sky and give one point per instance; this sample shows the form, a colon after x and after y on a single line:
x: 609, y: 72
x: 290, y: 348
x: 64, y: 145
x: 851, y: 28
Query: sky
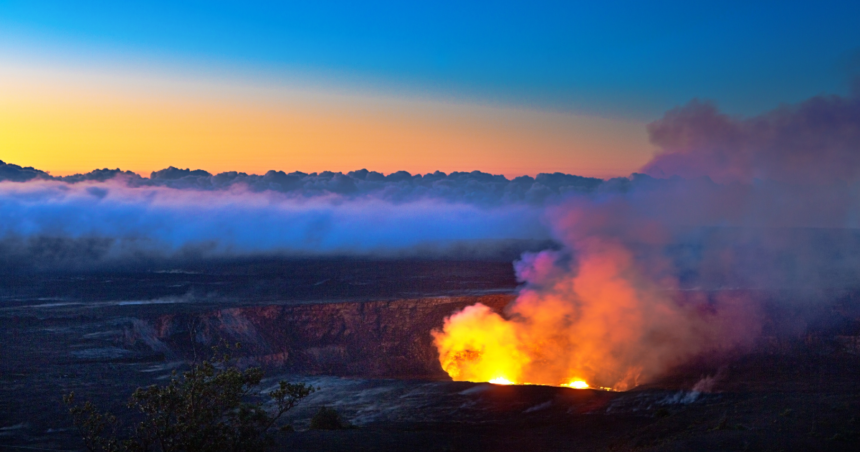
x: 513, y: 88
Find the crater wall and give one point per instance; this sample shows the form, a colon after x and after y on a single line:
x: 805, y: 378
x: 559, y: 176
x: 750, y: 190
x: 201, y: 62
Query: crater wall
x: 369, y: 339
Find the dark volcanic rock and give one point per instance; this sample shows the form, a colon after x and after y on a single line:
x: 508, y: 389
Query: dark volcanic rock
x: 369, y: 339
x: 356, y: 330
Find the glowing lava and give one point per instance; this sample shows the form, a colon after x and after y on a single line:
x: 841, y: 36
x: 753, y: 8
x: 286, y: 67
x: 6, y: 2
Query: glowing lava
x: 605, y: 323
x: 577, y: 384
x: 501, y: 381
x: 482, y: 346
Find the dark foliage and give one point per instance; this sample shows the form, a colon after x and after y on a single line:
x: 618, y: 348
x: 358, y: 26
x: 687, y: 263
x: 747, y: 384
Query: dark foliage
x: 327, y: 419
x: 208, y: 408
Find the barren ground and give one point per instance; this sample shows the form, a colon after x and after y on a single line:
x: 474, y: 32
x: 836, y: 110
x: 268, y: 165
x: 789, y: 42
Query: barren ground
x: 359, y: 331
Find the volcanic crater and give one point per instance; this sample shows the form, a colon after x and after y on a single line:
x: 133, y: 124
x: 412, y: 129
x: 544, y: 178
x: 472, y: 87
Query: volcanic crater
x: 359, y: 331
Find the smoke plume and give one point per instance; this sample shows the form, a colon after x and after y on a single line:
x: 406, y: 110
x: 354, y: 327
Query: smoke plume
x: 768, y: 202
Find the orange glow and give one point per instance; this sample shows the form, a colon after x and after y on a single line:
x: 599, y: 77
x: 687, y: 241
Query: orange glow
x: 577, y: 384
x: 542, y: 344
x: 75, y: 122
x: 481, y: 346
x: 602, y: 325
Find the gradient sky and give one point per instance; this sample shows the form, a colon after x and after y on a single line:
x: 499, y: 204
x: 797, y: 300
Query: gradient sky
x: 505, y: 87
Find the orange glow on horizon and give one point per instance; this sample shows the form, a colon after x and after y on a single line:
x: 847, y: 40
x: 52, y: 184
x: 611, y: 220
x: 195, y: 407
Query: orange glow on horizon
x: 67, y: 125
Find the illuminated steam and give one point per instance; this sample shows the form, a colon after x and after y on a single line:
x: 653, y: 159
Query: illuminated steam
x: 765, y: 202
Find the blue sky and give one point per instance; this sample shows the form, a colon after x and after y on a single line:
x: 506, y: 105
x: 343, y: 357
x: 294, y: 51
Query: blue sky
x: 624, y: 59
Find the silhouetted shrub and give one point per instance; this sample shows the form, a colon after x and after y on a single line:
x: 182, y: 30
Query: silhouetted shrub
x: 206, y: 409
x: 327, y: 419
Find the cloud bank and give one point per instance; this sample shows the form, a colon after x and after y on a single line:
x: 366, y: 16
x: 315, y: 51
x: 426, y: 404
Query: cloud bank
x: 115, y: 217
x: 476, y: 188
x: 55, y: 223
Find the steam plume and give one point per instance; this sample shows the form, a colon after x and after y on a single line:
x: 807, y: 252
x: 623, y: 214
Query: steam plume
x: 763, y: 202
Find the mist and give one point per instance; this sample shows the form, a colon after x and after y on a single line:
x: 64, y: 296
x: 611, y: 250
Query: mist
x: 52, y: 223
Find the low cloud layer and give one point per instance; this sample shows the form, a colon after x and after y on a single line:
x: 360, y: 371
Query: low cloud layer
x: 474, y: 187
x: 56, y: 223
x: 114, y: 217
